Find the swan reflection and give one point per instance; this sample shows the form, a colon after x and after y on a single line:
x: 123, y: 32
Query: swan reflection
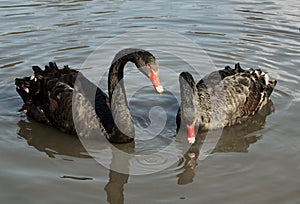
x: 237, y: 138
x: 233, y: 139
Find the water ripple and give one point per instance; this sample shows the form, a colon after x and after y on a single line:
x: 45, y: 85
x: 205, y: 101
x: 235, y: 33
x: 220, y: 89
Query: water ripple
x: 258, y: 34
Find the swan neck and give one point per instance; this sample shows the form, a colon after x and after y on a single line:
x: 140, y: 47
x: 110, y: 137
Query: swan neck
x: 118, y: 103
x: 116, y: 74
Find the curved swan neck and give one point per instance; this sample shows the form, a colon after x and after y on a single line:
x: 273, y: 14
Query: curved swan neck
x: 124, y: 129
x: 116, y: 71
x: 116, y: 74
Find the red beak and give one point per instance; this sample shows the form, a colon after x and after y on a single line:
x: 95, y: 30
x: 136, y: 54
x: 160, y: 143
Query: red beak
x: 155, y: 81
x: 191, y: 133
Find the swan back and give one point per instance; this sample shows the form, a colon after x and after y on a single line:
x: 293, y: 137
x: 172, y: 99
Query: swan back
x: 225, y: 97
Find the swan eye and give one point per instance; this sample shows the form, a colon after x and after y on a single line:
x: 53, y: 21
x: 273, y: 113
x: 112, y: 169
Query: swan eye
x: 149, y: 66
x: 152, y: 64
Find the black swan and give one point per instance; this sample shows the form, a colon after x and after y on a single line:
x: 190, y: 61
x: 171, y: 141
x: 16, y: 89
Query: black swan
x: 222, y: 98
x: 48, y: 96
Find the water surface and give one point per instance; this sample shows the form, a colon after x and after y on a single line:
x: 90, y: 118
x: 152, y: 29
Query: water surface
x: 257, y: 162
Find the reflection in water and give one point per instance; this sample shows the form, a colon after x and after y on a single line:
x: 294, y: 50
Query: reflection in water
x: 233, y: 139
x: 231, y: 31
x: 115, y: 186
x: 50, y: 141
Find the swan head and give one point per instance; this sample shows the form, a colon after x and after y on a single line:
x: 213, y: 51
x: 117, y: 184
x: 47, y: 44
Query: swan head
x: 144, y: 61
x: 148, y: 65
x: 189, y: 106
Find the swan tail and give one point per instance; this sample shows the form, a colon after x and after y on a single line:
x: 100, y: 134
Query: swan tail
x: 48, y: 93
x: 245, y: 93
x: 263, y: 79
x: 28, y: 88
x: 260, y: 89
x: 238, y: 68
x: 65, y: 74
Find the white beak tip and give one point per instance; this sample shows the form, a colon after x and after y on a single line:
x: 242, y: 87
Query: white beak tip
x: 159, y: 89
x: 191, y: 140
